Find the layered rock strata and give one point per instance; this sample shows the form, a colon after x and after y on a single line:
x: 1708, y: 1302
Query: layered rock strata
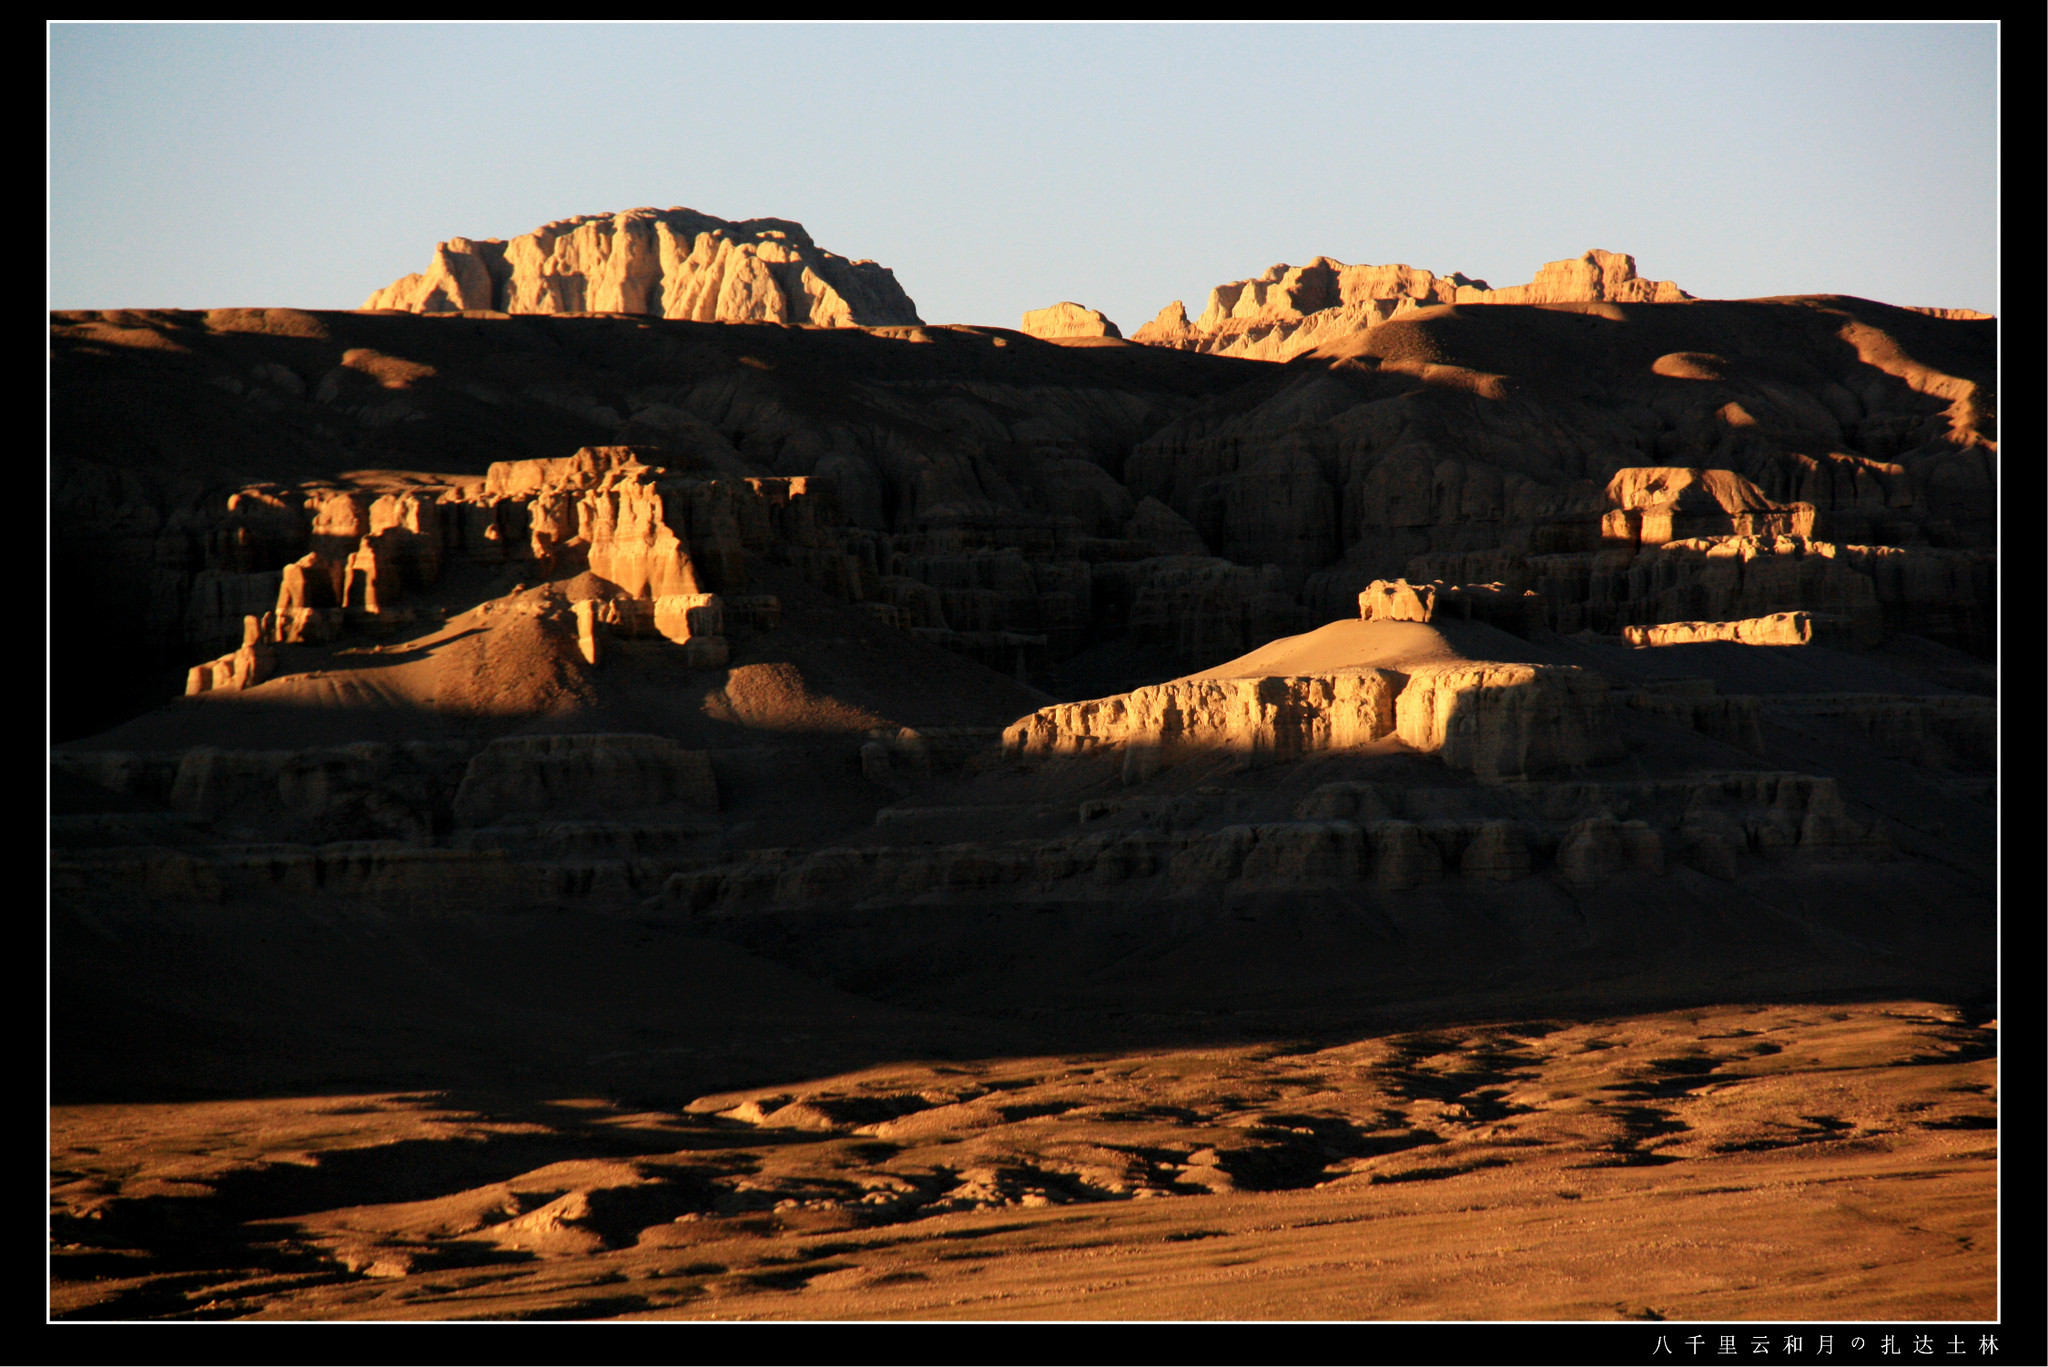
x: 1383, y: 838
x: 1274, y: 718
x: 1492, y: 720
x: 1386, y: 837
x: 667, y: 263
x: 1653, y: 505
x: 413, y: 789
x: 1933, y: 732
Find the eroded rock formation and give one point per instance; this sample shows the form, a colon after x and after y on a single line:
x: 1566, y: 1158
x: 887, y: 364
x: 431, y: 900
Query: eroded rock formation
x: 668, y: 263
x: 1601, y: 466
x: 1068, y: 319
x: 619, y: 706
x: 1293, y: 309
x: 726, y: 623
x: 1279, y: 718
x: 1778, y: 629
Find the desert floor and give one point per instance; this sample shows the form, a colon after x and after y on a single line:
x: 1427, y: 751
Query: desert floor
x: 1733, y: 1163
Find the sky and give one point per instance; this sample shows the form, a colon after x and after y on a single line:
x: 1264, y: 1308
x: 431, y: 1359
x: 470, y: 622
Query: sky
x: 999, y: 168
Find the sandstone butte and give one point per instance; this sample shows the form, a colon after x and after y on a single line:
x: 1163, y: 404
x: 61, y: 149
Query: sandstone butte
x: 774, y: 822
x: 668, y: 263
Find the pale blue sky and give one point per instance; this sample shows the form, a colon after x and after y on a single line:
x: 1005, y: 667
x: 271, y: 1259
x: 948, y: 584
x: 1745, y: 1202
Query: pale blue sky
x: 1004, y: 167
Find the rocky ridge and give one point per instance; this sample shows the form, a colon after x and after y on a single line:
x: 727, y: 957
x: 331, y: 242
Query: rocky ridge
x: 1294, y: 309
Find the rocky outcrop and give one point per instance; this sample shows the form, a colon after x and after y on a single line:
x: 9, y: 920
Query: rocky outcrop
x: 369, y: 790
x: 1492, y: 720
x: 1654, y: 505
x: 1778, y: 629
x: 1591, y: 831
x: 1273, y: 718
x: 649, y: 547
x: 667, y: 263
x: 1860, y: 591
x: 1397, y: 601
x: 248, y: 666
x: 1067, y: 319
x: 1293, y: 309
x: 1957, y: 315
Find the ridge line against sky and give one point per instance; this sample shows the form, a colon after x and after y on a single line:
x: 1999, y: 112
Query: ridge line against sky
x: 999, y: 168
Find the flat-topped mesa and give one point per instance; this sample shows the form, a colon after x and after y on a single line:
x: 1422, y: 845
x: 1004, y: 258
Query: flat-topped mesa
x: 666, y: 263
x: 1293, y: 309
x: 1068, y: 319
